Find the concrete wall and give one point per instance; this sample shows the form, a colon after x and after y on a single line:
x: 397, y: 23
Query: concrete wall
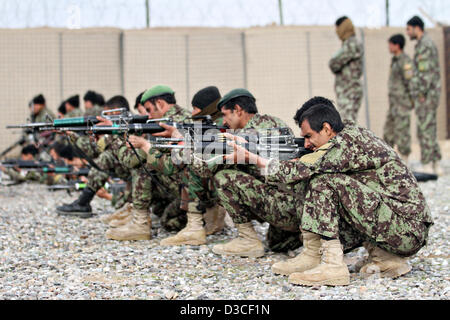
x: 281, y: 66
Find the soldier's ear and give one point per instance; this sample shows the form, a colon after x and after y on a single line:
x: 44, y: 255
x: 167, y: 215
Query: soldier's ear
x: 327, y: 129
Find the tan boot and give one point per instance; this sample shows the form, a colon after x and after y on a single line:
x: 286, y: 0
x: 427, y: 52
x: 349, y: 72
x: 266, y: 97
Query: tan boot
x: 307, y: 259
x: 115, y: 223
x: 385, y: 263
x: 139, y: 228
x: 247, y: 244
x: 214, y: 219
x: 119, y: 214
x: 332, y: 270
x: 192, y: 234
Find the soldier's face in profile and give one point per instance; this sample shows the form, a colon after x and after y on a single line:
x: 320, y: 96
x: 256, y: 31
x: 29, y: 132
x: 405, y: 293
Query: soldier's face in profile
x: 142, y: 111
x: 195, y: 110
x: 393, y: 48
x: 314, y: 139
x: 27, y: 157
x: 153, y: 110
x: 231, y: 118
x: 410, y: 30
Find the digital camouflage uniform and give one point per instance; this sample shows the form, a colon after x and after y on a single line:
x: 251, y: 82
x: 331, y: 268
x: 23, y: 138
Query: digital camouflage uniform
x: 110, y: 161
x: 250, y: 185
x: 94, y: 111
x: 360, y: 190
x: 347, y: 65
x: 74, y: 113
x: 426, y: 85
x: 42, y: 116
x: 397, y: 126
x: 164, y: 184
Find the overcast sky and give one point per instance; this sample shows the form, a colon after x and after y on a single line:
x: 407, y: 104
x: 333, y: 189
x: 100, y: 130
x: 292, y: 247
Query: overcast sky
x: 130, y: 14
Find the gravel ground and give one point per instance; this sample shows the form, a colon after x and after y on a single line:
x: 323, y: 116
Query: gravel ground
x: 44, y: 256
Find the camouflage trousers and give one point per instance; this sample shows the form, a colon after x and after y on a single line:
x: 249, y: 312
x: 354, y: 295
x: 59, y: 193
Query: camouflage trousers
x: 199, y: 193
x: 161, y: 193
x: 396, y: 131
x: 348, y: 102
x: 427, y: 129
x: 245, y: 198
x: 338, y: 206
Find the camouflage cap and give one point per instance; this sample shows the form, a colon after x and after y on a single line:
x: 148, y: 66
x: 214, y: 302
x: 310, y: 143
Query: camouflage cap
x: 234, y: 94
x: 156, y: 91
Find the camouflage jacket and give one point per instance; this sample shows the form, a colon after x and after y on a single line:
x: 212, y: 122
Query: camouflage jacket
x: 161, y: 160
x: 74, y: 113
x: 402, y: 70
x: 427, y: 73
x: 258, y: 121
x: 347, y: 64
x: 359, y: 153
x: 94, y: 111
x: 42, y: 116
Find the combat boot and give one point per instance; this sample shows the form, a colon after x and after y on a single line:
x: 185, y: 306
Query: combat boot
x: 80, y: 207
x: 119, y: 214
x: 214, y: 219
x: 247, y: 244
x: 384, y: 263
x: 138, y: 228
x: 192, y: 234
x: 331, y: 271
x: 307, y: 259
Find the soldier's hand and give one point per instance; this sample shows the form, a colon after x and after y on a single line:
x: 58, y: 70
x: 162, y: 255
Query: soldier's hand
x: 104, y: 122
x: 139, y: 143
x: 170, y: 132
x: 102, y: 193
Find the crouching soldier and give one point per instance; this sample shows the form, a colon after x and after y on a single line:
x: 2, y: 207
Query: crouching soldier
x: 359, y: 192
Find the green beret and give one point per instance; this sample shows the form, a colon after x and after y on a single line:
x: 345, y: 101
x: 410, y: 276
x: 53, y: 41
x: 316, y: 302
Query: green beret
x: 156, y: 91
x: 234, y: 94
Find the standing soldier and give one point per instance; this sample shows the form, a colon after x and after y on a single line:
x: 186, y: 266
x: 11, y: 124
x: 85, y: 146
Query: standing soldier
x: 347, y: 66
x: 396, y: 128
x: 425, y: 91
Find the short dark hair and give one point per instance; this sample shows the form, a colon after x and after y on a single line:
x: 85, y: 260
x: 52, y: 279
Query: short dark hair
x: 94, y: 97
x: 416, y: 22
x: 247, y: 104
x: 58, y: 146
x: 319, y: 114
x: 66, y: 152
x: 62, y: 108
x: 138, y: 100
x: 117, y: 102
x: 398, y: 39
x: 39, y: 99
x: 311, y: 103
x: 30, y: 149
x: 340, y: 20
x: 74, y: 101
x: 168, y: 97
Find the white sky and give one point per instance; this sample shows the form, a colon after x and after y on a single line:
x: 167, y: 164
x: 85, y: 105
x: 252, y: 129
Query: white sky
x: 129, y: 14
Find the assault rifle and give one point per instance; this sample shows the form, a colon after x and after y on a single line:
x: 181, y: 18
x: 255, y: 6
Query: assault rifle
x: 115, y: 188
x: 124, y: 117
x: 150, y: 126
x: 44, y: 167
x: 270, y: 143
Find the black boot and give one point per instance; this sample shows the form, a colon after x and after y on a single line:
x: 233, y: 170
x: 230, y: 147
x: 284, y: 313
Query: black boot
x: 80, y: 207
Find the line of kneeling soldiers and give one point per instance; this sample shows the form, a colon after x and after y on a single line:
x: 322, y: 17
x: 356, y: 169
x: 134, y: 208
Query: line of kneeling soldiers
x: 353, y: 190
